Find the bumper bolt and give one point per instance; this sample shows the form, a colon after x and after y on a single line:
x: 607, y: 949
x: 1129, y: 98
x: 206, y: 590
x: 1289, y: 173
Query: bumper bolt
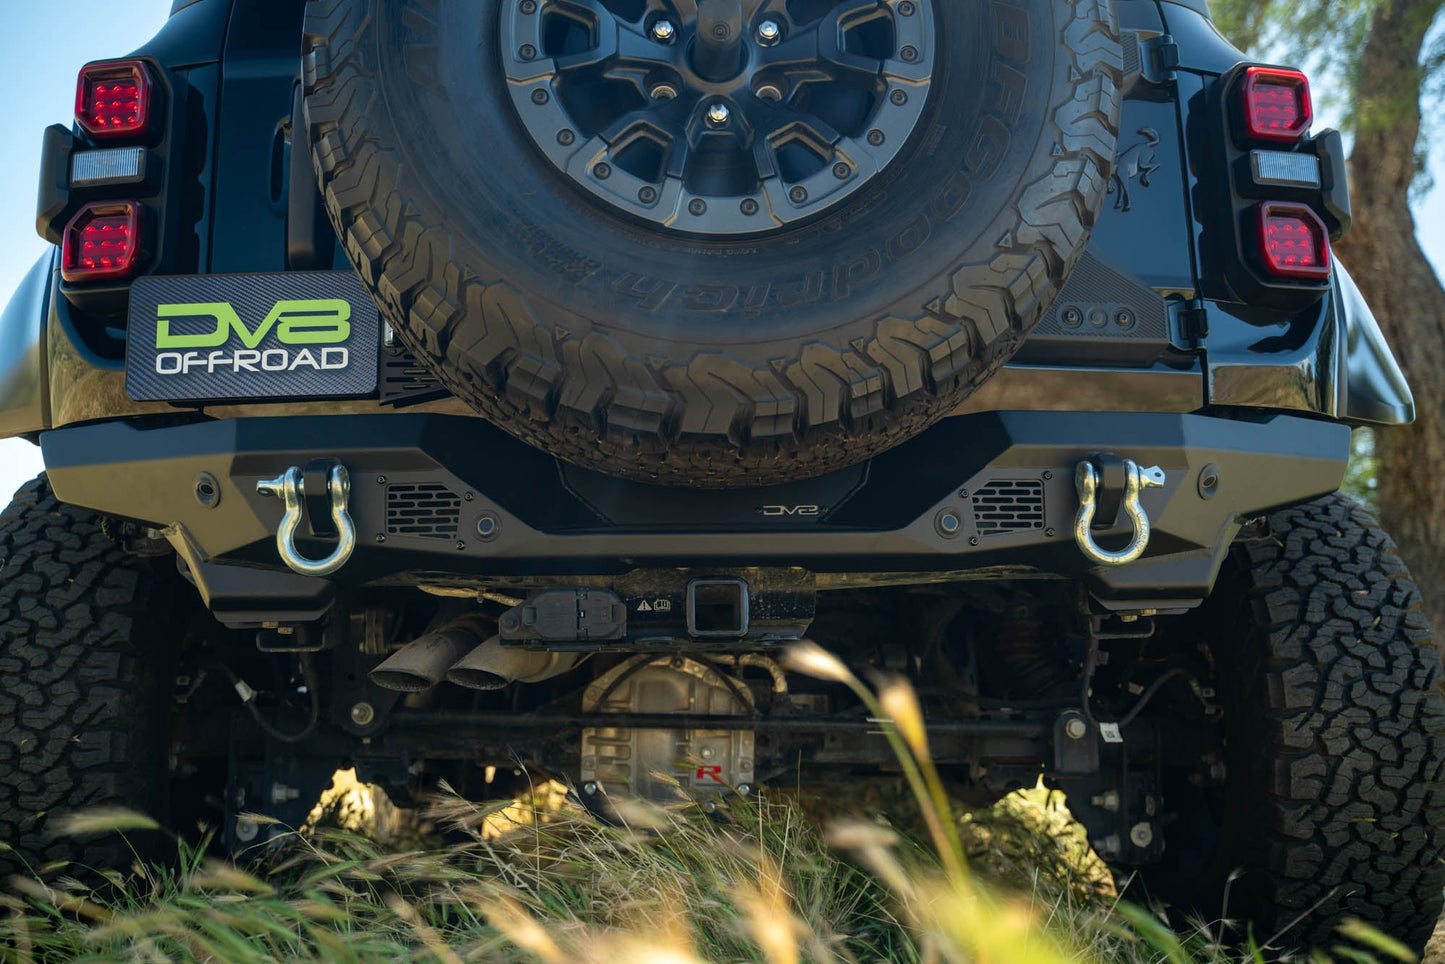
x: 380, y: 537
x: 362, y: 713
x: 948, y: 523
x: 381, y: 480
x: 1076, y: 729
x: 973, y: 540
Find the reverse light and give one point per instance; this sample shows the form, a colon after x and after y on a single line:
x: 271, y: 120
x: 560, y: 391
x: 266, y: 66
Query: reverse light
x: 102, y: 242
x: 1277, y: 104
x: 1294, y: 242
x: 114, y: 99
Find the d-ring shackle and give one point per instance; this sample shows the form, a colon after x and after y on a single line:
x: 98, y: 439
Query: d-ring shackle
x: 1086, y: 481
x: 290, y: 488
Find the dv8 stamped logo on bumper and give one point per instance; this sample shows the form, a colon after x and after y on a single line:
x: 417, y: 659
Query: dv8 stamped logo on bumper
x: 211, y: 337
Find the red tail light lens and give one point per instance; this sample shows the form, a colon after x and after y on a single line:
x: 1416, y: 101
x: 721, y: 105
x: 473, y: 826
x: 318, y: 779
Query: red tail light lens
x: 102, y: 242
x: 1277, y: 104
x: 1294, y: 242
x: 114, y: 99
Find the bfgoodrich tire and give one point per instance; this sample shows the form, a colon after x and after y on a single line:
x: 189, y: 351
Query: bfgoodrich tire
x: 85, y: 653
x: 1334, y: 805
x: 650, y: 351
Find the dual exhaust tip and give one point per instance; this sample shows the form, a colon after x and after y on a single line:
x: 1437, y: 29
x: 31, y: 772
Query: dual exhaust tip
x: 458, y: 653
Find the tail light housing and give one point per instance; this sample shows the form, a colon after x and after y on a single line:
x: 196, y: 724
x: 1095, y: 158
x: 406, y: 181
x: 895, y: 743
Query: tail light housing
x: 1293, y: 242
x: 1276, y: 104
x: 115, y: 99
x: 103, y: 242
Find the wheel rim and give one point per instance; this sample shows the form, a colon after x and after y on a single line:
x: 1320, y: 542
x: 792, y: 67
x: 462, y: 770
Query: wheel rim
x: 719, y: 117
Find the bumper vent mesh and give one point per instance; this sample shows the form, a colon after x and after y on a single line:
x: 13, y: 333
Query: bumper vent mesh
x: 1002, y: 507
x: 426, y: 509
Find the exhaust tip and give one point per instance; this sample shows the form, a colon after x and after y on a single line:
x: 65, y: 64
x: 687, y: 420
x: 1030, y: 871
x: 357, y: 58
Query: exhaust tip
x: 400, y: 681
x: 476, y: 679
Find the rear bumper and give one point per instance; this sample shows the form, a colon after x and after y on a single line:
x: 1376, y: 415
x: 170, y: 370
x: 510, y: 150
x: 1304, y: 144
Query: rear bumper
x: 421, y: 484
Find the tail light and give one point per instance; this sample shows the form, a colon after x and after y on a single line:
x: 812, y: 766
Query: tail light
x: 1277, y: 104
x: 102, y: 242
x: 115, y: 99
x: 1294, y: 242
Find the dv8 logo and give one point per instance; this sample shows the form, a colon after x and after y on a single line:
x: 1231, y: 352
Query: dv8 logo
x: 324, y: 323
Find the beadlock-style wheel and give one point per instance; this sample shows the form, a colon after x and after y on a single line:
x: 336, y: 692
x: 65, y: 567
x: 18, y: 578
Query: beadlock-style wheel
x: 719, y: 117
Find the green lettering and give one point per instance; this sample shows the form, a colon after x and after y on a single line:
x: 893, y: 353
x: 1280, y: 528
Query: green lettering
x: 220, y: 312
x: 322, y: 322
x: 314, y: 322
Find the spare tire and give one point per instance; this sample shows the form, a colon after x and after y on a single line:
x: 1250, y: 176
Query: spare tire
x: 713, y: 242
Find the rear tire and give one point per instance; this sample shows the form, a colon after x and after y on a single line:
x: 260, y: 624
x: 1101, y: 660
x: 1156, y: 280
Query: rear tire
x: 85, y: 650
x: 1334, y: 806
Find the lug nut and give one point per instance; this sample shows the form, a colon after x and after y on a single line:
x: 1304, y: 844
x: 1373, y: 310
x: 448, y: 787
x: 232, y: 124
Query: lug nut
x: 664, y: 32
x: 664, y: 92
x: 769, y: 32
x: 718, y: 115
x: 770, y: 93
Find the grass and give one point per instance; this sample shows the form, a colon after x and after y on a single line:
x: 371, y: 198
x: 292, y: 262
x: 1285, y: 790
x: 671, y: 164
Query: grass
x: 780, y: 880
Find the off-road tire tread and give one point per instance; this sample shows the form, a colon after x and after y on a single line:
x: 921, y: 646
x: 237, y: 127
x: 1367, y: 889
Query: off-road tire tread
x: 714, y: 419
x: 1352, y: 816
x: 81, y: 719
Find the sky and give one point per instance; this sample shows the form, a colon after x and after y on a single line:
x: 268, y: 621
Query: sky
x: 45, y: 42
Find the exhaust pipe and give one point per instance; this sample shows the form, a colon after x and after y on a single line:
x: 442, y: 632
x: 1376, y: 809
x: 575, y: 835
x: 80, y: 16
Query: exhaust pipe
x: 421, y: 663
x: 492, y: 666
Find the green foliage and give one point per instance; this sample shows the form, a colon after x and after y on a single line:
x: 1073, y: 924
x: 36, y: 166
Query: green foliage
x: 1361, y: 482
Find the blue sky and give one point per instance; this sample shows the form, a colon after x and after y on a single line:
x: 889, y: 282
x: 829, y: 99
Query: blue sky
x: 45, y: 42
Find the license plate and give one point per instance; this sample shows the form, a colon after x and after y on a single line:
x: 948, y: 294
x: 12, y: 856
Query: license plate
x: 213, y: 337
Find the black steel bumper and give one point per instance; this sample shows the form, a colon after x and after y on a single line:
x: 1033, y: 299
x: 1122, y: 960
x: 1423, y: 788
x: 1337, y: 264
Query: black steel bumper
x: 439, y: 499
